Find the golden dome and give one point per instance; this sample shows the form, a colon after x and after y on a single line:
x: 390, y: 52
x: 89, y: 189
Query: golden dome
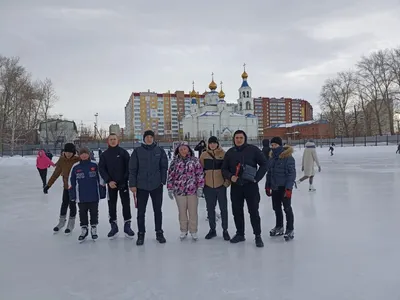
x: 193, y: 94
x: 221, y: 94
x: 212, y: 85
x: 244, y: 75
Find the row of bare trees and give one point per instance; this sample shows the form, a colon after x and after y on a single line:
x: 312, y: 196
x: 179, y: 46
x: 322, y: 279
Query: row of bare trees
x: 24, y: 103
x: 364, y: 101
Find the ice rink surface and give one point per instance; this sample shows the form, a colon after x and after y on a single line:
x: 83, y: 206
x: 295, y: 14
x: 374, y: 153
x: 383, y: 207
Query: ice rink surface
x: 346, y: 243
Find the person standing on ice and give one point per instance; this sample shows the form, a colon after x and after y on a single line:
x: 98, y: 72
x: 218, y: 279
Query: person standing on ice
x: 43, y: 162
x: 63, y: 168
x: 266, y: 148
x: 114, y: 169
x: 185, y: 183
x: 215, y: 187
x: 310, y: 158
x: 281, y: 177
x: 148, y: 168
x: 86, y: 189
x: 240, y: 168
x: 200, y: 147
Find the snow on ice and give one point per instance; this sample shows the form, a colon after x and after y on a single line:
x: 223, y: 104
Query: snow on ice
x: 346, y: 244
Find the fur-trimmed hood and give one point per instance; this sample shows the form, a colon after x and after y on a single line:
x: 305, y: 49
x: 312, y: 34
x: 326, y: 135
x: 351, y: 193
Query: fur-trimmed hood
x: 287, y: 151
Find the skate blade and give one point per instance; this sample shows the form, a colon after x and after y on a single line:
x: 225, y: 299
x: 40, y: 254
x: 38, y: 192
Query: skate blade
x: 67, y: 233
x: 129, y: 237
x: 288, y: 238
x: 113, y: 237
x: 81, y: 241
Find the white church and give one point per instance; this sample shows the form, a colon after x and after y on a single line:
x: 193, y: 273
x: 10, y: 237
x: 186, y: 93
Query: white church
x: 218, y: 118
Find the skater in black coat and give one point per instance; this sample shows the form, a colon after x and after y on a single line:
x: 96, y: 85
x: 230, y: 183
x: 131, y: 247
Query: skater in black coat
x: 266, y: 148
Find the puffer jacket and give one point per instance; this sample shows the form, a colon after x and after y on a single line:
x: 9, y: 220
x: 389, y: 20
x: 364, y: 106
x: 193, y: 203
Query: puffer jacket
x: 212, y: 160
x: 63, y: 168
x: 281, y: 169
x: 185, y: 175
x: 42, y: 161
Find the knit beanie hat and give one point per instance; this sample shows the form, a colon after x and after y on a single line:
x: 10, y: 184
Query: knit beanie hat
x: 276, y: 140
x: 148, y: 132
x: 69, y: 147
x: 84, y: 150
x: 213, y: 139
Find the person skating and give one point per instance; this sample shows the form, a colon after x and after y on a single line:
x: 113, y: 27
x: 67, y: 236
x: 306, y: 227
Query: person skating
x: 240, y: 167
x: 331, y: 149
x: 86, y: 189
x: 281, y: 175
x: 310, y: 158
x: 148, y: 168
x: 398, y: 149
x: 200, y: 148
x: 266, y: 148
x: 63, y: 168
x: 114, y: 169
x: 185, y: 183
x: 43, y: 162
x: 215, y: 187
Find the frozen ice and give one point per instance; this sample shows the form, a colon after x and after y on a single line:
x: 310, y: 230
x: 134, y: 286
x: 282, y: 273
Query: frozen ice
x: 346, y: 244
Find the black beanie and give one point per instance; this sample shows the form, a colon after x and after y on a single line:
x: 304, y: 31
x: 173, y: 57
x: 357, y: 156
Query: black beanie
x: 276, y: 140
x: 213, y: 139
x: 69, y: 147
x: 148, y: 132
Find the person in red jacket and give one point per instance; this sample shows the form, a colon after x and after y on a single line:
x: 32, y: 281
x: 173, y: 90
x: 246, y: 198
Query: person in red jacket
x: 42, y: 164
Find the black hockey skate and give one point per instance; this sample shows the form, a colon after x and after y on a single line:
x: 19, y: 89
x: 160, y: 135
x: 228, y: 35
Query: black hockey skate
x: 276, y: 231
x: 114, y: 231
x: 259, y: 242
x: 84, y: 234
x: 93, y: 232
x: 289, y: 235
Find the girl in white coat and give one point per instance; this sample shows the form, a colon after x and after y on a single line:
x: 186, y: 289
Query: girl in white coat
x: 307, y: 166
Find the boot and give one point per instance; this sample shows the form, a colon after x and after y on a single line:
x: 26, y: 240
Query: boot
x: 276, y: 231
x: 128, y: 231
x: 183, y: 235
x: 93, y: 232
x: 160, y: 237
x: 259, y: 241
x: 61, y: 224
x: 70, y: 226
x: 194, y: 236
x: 212, y: 233
x: 226, y: 235
x: 289, y: 234
x: 237, y: 239
x: 84, y: 234
x: 140, y: 239
x: 311, y: 188
x: 114, y: 230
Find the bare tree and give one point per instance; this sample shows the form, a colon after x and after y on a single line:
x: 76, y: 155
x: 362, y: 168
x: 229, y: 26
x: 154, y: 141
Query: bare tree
x: 48, y: 98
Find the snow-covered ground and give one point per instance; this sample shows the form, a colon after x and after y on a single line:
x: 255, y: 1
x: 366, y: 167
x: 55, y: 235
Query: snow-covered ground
x: 346, y: 244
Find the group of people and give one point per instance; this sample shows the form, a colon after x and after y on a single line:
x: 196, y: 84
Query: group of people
x: 145, y: 173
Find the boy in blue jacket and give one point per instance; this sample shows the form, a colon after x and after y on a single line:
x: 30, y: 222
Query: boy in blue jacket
x: 87, y: 188
x: 281, y: 177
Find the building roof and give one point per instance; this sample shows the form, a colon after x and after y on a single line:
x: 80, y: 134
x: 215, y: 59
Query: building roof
x: 298, y: 124
x: 250, y: 116
x: 245, y: 84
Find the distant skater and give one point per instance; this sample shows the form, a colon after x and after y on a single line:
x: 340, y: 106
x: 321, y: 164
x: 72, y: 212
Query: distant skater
x: 331, y: 149
x: 398, y: 149
x: 43, y: 162
x: 310, y: 158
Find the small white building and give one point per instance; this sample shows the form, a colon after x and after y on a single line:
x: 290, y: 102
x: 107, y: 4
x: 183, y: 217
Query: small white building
x: 58, y: 132
x: 216, y: 117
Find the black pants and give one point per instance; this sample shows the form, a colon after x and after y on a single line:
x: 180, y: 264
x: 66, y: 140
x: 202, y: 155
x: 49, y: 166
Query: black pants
x: 251, y: 194
x: 112, y: 204
x: 93, y: 209
x: 66, y: 203
x: 213, y: 195
x: 43, y: 176
x: 278, y: 199
x: 142, y: 199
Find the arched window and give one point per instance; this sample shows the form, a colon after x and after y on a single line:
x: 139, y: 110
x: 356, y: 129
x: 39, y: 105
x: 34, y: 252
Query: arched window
x: 248, y: 94
x: 244, y: 94
x: 248, y: 105
x: 240, y: 106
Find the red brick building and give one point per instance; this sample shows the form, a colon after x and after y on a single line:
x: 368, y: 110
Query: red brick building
x: 319, y: 129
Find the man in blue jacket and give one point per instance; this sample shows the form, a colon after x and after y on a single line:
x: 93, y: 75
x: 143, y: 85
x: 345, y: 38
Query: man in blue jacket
x: 147, y: 174
x: 281, y: 176
x: 86, y: 188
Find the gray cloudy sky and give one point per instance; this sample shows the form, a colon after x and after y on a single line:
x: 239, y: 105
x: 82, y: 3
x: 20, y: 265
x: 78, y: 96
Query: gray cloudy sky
x: 97, y: 52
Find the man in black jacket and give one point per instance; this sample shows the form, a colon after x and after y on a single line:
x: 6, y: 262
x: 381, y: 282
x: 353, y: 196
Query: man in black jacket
x: 240, y: 167
x: 266, y: 148
x: 147, y: 174
x: 113, y: 168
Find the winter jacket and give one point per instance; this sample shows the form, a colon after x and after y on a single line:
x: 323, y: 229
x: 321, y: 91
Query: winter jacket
x: 114, y: 166
x: 212, y: 160
x: 42, y: 161
x: 185, y: 175
x: 148, y: 167
x: 200, y: 147
x: 266, y: 148
x: 86, y: 185
x: 281, y: 168
x: 309, y: 158
x: 239, y: 156
x: 63, y: 167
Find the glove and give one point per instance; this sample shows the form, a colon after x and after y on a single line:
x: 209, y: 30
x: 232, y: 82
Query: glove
x: 46, y: 189
x: 319, y: 169
x: 171, y: 194
x: 200, y: 193
x: 288, y: 194
x: 268, y: 192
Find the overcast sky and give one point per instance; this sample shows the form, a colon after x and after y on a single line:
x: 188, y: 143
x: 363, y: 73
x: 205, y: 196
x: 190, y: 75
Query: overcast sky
x: 97, y: 52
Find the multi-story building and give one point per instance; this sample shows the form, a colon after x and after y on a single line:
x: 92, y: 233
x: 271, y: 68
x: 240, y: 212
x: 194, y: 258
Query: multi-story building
x: 115, y: 128
x: 273, y: 111
x: 314, y: 129
x: 162, y: 113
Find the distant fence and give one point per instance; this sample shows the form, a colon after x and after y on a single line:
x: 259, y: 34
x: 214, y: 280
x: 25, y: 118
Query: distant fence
x: 385, y: 140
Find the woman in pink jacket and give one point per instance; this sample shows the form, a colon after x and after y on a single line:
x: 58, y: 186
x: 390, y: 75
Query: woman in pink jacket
x: 42, y: 164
